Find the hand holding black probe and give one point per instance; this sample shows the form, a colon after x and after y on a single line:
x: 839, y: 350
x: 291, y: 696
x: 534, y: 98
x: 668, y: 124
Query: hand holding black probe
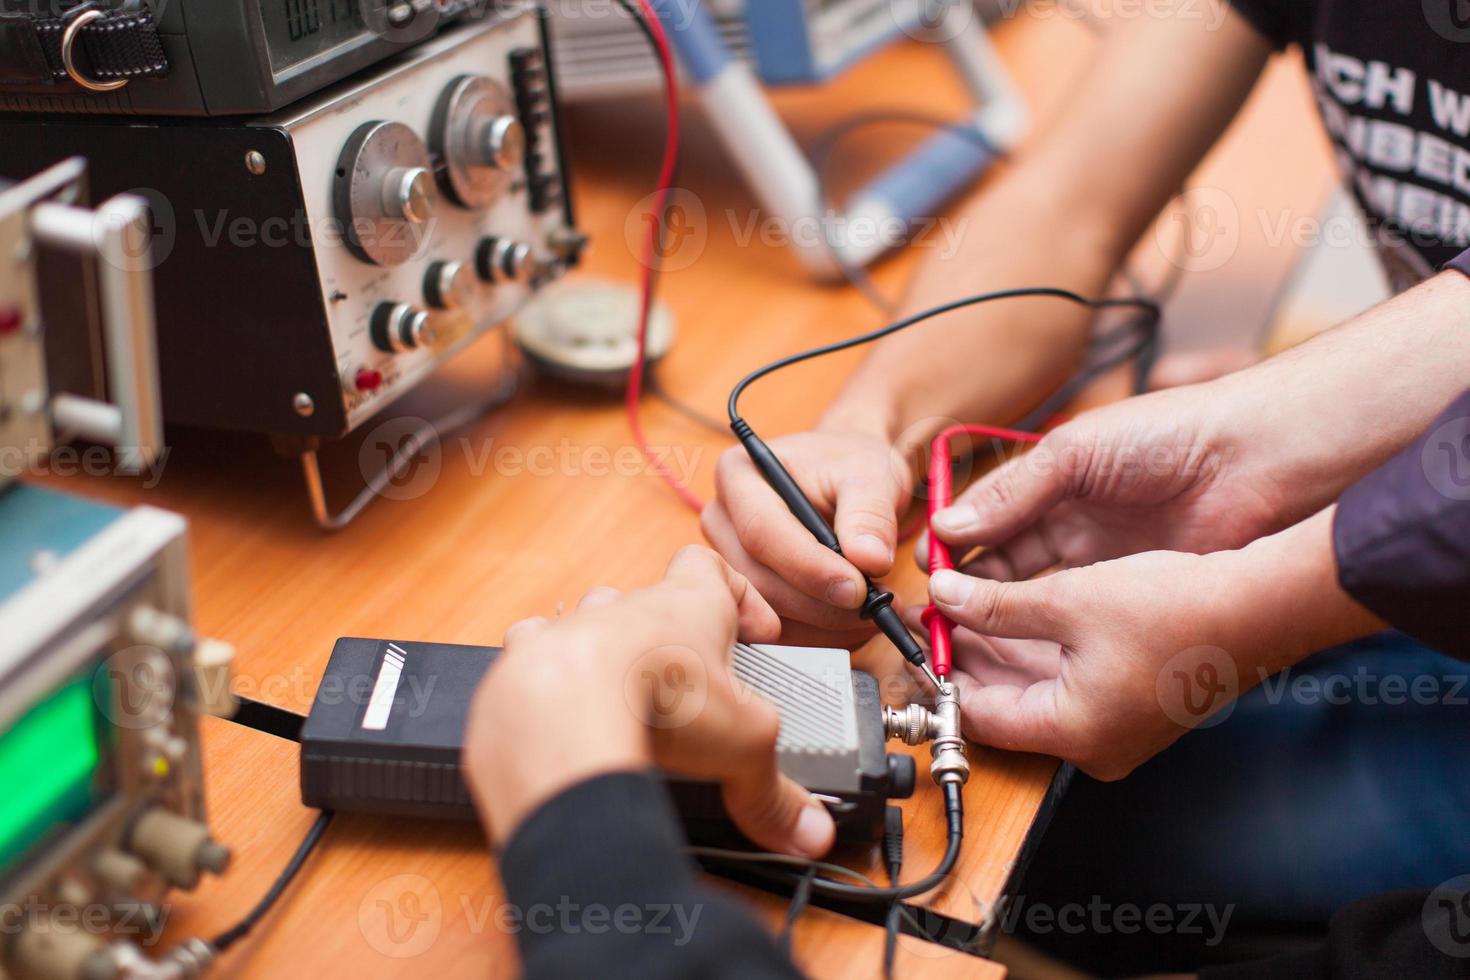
x: 878, y: 606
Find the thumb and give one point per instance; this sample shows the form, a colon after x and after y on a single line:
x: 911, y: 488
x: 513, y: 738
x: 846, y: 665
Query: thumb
x: 1010, y: 498
x: 1019, y: 610
x: 767, y: 806
x: 780, y: 815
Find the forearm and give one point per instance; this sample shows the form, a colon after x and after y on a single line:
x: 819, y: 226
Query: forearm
x: 1322, y: 415
x: 1072, y: 204
x: 996, y: 362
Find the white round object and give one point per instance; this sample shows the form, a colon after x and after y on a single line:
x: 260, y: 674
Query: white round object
x: 587, y: 329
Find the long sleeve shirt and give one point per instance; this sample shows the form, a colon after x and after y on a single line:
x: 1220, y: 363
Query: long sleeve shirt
x: 1402, y: 536
x: 598, y: 885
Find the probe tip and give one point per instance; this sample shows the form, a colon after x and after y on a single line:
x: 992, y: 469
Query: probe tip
x: 933, y: 678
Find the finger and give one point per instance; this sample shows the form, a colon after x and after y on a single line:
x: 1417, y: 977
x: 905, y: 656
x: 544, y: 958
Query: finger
x: 523, y: 631
x: 921, y: 551
x: 804, y: 635
x: 1007, y: 716
x: 1029, y: 553
x: 596, y: 598
x: 992, y: 564
x: 1016, y: 609
x: 997, y: 660
x: 1010, y: 498
x: 866, y: 521
x: 773, y: 537
x: 758, y: 622
x: 786, y: 599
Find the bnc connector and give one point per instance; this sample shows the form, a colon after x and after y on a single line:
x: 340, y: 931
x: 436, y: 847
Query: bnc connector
x: 915, y: 725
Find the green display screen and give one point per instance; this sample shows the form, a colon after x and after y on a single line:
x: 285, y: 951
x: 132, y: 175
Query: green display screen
x: 49, y: 762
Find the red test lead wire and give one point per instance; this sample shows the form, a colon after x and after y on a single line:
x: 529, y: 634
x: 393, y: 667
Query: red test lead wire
x: 650, y: 256
x: 941, y: 495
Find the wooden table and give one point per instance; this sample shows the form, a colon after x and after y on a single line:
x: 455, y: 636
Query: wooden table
x: 505, y: 534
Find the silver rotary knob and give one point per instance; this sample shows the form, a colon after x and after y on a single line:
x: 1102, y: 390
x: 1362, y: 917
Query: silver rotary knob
x: 502, y: 143
x: 408, y: 193
x: 384, y: 194
x: 479, y: 138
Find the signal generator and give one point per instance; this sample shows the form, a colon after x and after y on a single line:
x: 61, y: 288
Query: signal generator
x: 316, y: 263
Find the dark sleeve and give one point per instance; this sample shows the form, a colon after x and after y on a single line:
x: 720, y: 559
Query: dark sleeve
x: 1275, y: 20
x: 1402, y: 536
x: 1420, y: 934
x: 597, y: 884
x: 1460, y: 263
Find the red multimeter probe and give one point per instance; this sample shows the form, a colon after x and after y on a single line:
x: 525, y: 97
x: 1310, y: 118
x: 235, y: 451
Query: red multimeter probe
x: 941, y: 494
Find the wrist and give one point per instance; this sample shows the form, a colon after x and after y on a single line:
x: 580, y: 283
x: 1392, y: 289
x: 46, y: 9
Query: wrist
x: 589, y: 729
x: 1291, y: 604
x: 876, y: 416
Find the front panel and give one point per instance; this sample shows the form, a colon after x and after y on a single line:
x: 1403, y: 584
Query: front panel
x: 436, y: 204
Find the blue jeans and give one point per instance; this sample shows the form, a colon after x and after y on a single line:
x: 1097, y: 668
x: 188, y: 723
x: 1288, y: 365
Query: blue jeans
x: 1347, y: 776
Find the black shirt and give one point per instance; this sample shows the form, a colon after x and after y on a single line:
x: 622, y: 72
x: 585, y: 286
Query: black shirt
x: 1392, y: 80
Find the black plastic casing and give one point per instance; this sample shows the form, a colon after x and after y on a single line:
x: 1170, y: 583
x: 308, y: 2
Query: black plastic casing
x: 410, y: 766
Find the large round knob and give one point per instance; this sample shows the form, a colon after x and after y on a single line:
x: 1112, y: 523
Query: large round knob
x: 384, y: 192
x: 479, y: 138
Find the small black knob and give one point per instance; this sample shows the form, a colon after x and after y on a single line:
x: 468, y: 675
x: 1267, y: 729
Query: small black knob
x: 902, y: 776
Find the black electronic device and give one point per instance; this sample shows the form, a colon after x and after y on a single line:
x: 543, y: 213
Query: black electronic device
x: 386, y: 728
x: 201, y: 57
x: 313, y: 265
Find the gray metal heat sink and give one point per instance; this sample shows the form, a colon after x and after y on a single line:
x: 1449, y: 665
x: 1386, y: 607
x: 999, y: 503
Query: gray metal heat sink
x: 812, y: 691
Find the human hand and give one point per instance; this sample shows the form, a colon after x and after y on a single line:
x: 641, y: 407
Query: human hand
x: 859, y: 482
x: 1173, y: 470
x: 1105, y: 666
x: 633, y: 681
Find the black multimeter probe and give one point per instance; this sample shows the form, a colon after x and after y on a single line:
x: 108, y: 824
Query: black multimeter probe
x: 878, y: 606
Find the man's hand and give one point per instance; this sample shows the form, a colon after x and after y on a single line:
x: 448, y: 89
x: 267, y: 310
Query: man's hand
x: 861, y: 484
x: 1105, y: 666
x: 1166, y: 471
x: 632, y: 681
